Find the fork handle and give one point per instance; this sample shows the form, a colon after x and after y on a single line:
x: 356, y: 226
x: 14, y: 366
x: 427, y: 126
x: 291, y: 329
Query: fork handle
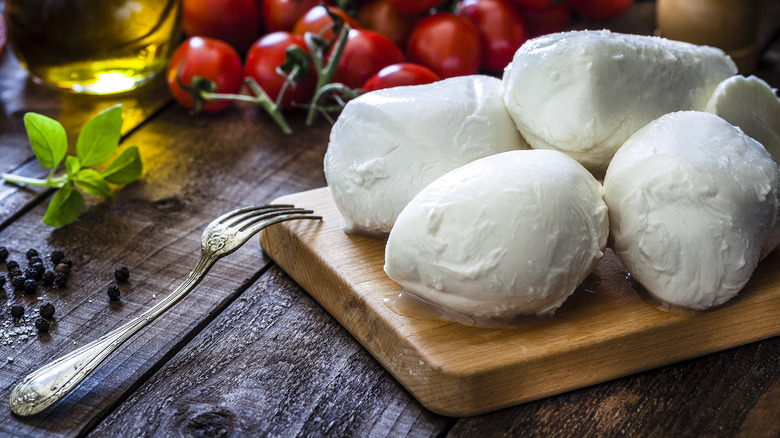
x: 48, y: 384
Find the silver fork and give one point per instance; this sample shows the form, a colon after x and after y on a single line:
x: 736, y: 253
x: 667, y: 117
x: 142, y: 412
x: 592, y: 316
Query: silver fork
x: 47, y: 385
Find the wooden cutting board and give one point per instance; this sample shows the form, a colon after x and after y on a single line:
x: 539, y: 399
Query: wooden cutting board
x: 602, y: 332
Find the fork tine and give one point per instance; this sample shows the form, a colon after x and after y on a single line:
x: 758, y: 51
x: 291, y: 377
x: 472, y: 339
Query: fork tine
x: 254, y: 216
x: 234, y: 213
x: 269, y: 216
x: 256, y: 226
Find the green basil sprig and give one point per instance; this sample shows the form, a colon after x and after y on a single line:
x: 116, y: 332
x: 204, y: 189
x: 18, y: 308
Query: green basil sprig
x: 96, y: 144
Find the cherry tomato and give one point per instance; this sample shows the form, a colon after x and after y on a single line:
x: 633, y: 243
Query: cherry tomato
x: 382, y: 17
x: 600, y: 9
x: 538, y: 4
x: 282, y: 14
x: 396, y: 75
x: 501, y: 27
x: 210, y: 59
x: 318, y: 22
x: 544, y: 21
x: 365, y: 53
x: 236, y: 22
x: 446, y: 43
x: 262, y: 60
x: 414, y: 6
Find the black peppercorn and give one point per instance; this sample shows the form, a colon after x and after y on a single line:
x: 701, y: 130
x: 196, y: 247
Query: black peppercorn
x: 48, y: 278
x: 17, y: 311
x: 60, y: 280
x: 35, y: 272
x: 56, y: 257
x: 30, y: 286
x: 35, y: 261
x: 31, y: 253
x: 15, y: 272
x: 68, y: 262
x: 2, y: 281
x: 18, y: 282
x: 62, y: 268
x: 11, y: 264
x: 47, y: 310
x: 122, y: 274
x: 113, y: 292
x: 42, y: 325
x: 3, y: 254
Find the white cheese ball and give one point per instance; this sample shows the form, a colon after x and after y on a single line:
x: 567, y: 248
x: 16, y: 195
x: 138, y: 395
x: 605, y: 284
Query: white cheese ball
x: 507, y: 235
x: 585, y: 92
x: 693, y: 206
x: 388, y: 144
x: 752, y: 105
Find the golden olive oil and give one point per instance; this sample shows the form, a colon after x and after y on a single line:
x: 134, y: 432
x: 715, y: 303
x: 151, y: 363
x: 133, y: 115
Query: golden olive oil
x: 93, y: 46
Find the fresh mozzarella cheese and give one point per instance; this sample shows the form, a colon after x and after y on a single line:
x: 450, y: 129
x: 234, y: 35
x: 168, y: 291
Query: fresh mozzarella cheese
x: 507, y: 235
x: 388, y: 144
x: 693, y: 206
x: 585, y: 92
x: 750, y: 104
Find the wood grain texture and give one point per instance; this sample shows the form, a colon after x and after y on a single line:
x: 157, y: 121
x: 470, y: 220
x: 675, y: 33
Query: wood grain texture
x: 152, y: 226
x: 598, y: 335
x: 300, y: 373
x: 266, y: 380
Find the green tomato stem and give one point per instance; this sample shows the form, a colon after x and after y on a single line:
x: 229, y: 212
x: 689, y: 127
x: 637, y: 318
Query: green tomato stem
x: 324, y: 72
x: 268, y: 105
x: 260, y: 98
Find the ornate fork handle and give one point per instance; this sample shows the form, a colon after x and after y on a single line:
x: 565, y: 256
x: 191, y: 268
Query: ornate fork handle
x: 50, y: 383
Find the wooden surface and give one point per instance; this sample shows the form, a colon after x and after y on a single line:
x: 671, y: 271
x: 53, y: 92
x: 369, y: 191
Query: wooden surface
x: 249, y: 353
x: 602, y: 332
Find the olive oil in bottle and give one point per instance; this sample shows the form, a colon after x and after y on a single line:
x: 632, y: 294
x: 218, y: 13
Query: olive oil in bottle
x: 94, y: 47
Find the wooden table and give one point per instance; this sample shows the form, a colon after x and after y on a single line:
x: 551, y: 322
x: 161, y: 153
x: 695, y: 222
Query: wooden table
x: 249, y: 353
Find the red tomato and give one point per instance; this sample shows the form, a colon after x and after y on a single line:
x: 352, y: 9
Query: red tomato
x: 544, y: 21
x: 447, y: 44
x: 236, y: 22
x: 210, y: 59
x: 414, y: 6
x: 318, y: 22
x: 600, y: 9
x: 365, y: 53
x: 265, y: 56
x: 539, y: 4
x: 282, y: 14
x: 382, y: 17
x: 501, y: 27
x: 396, y: 75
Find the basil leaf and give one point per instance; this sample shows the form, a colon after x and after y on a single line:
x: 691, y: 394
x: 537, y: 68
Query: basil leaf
x: 66, y: 205
x: 72, y: 165
x: 125, y: 169
x: 92, y: 182
x: 99, y: 138
x: 48, y: 139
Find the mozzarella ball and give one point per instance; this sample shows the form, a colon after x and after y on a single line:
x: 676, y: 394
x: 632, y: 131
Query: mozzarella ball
x: 585, y: 92
x: 750, y: 104
x: 388, y: 144
x: 693, y: 206
x: 507, y: 235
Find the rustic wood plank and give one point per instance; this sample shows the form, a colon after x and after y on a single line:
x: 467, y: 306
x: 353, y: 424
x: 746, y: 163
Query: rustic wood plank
x: 152, y: 226
x: 279, y: 365
x: 721, y: 394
